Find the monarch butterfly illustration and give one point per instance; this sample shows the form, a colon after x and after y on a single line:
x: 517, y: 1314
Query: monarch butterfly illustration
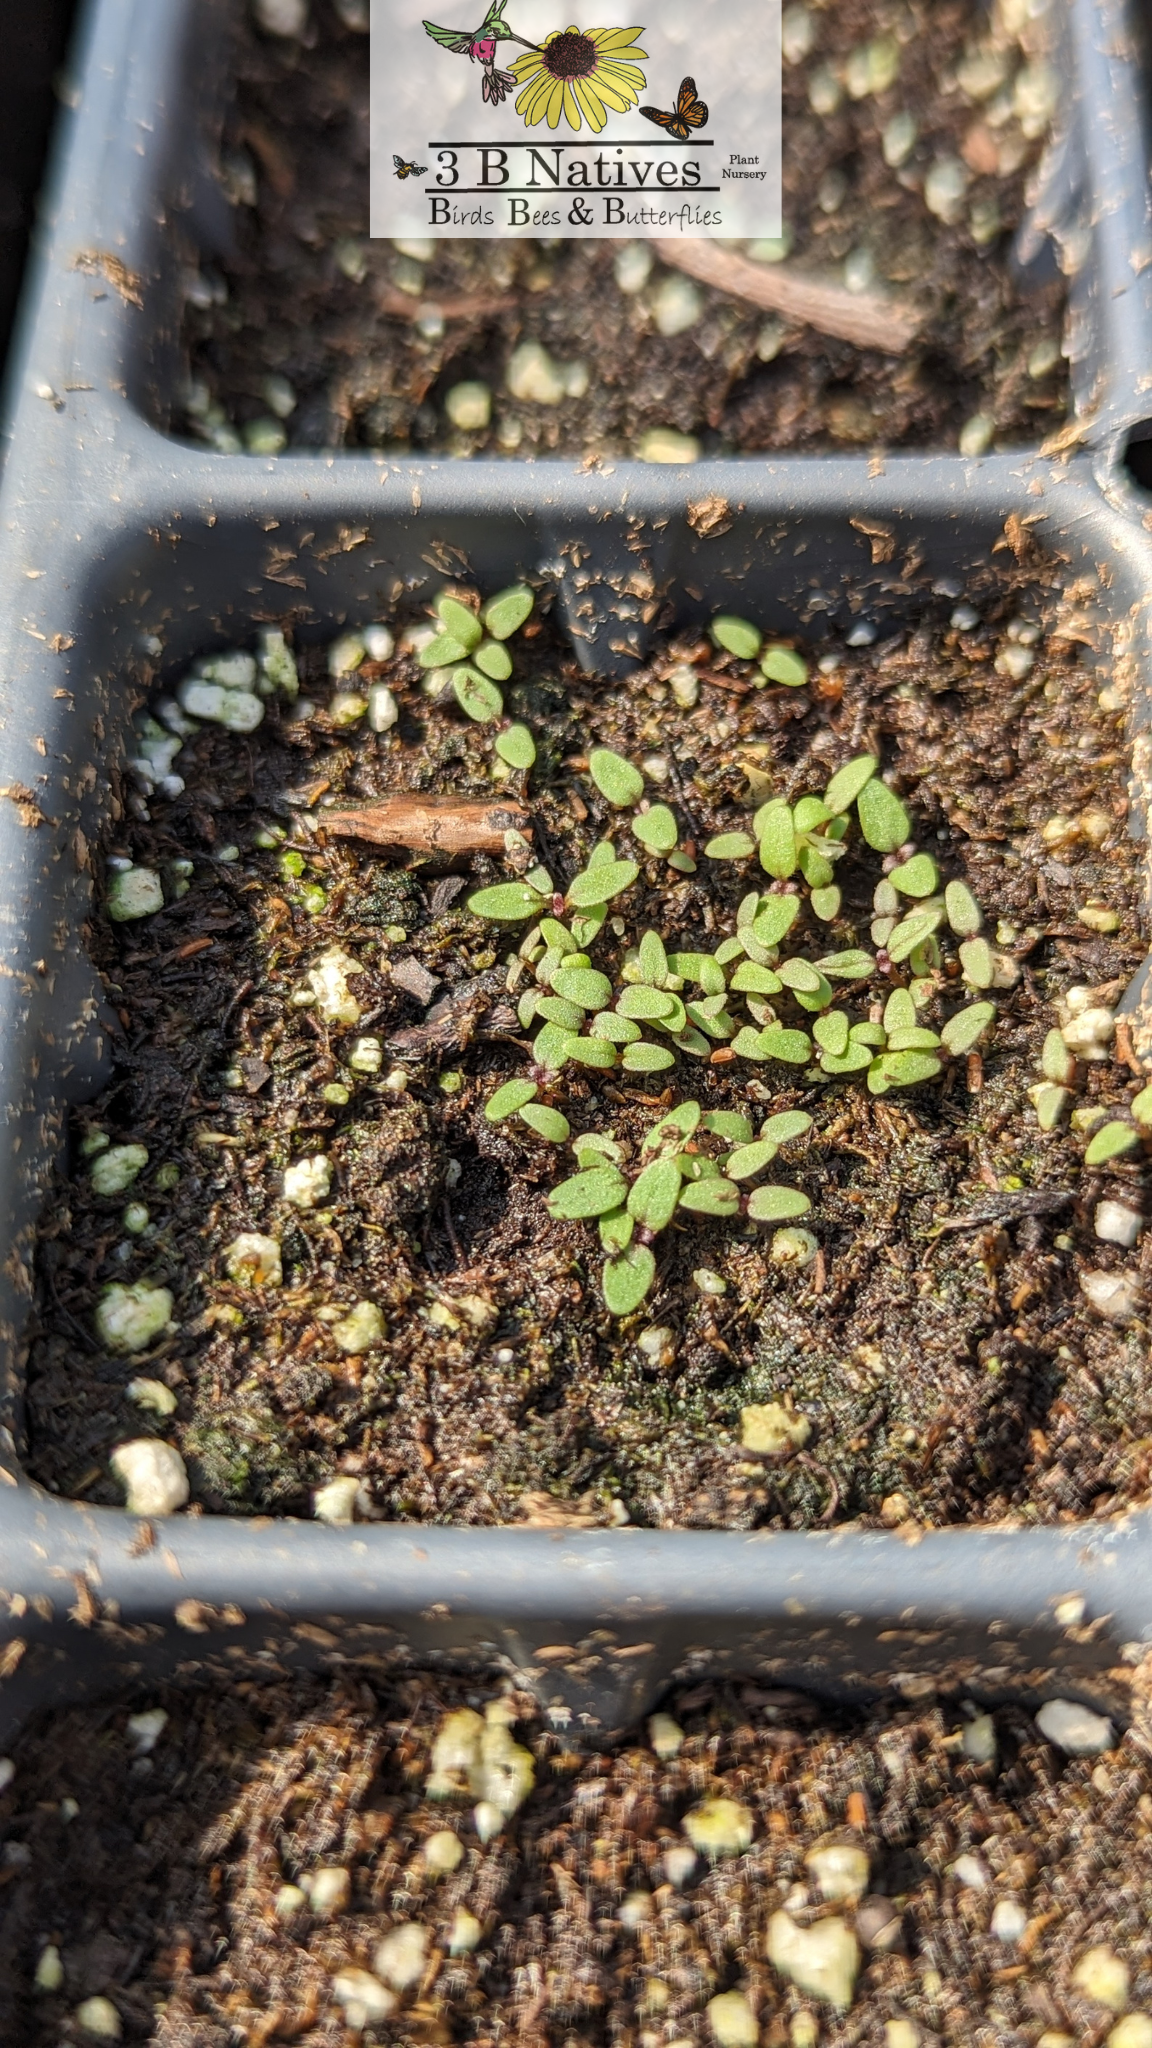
x: 404, y: 170
x: 690, y: 113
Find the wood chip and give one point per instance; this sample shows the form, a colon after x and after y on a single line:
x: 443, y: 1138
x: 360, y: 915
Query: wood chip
x: 414, y: 978
x: 431, y: 824
x: 445, y: 893
x: 472, y: 1010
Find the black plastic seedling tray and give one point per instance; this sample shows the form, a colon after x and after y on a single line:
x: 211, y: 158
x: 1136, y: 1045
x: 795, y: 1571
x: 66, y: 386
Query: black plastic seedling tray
x: 114, y: 538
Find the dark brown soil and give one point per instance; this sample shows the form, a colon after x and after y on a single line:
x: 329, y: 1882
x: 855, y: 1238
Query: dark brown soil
x: 367, y: 375
x: 960, y: 1370
x: 160, y: 1892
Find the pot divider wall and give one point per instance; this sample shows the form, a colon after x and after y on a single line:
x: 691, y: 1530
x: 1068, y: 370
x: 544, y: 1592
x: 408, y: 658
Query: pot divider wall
x: 111, y: 534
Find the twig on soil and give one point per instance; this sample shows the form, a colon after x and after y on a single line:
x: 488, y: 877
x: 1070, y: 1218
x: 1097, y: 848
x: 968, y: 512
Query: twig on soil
x: 1124, y: 1047
x: 274, y: 159
x: 77, y: 1328
x: 874, y: 1416
x: 822, y: 1472
x: 690, y: 818
x: 550, y: 855
x: 867, y: 319
x: 449, y: 1225
x: 213, y: 1041
x: 1007, y: 1208
x: 460, y: 306
x: 731, y: 684
x: 431, y: 824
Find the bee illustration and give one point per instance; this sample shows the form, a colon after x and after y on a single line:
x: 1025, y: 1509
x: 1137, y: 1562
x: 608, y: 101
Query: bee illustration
x: 404, y: 170
x: 690, y: 113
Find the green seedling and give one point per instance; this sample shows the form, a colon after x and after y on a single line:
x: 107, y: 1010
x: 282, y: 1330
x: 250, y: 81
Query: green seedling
x: 766, y: 994
x: 687, y: 1165
x: 468, y: 647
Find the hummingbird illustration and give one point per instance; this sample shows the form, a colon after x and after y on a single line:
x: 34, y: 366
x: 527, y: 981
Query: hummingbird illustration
x: 480, y: 46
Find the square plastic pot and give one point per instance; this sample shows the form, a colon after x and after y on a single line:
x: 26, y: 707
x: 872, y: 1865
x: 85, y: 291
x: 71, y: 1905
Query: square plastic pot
x: 117, y: 542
